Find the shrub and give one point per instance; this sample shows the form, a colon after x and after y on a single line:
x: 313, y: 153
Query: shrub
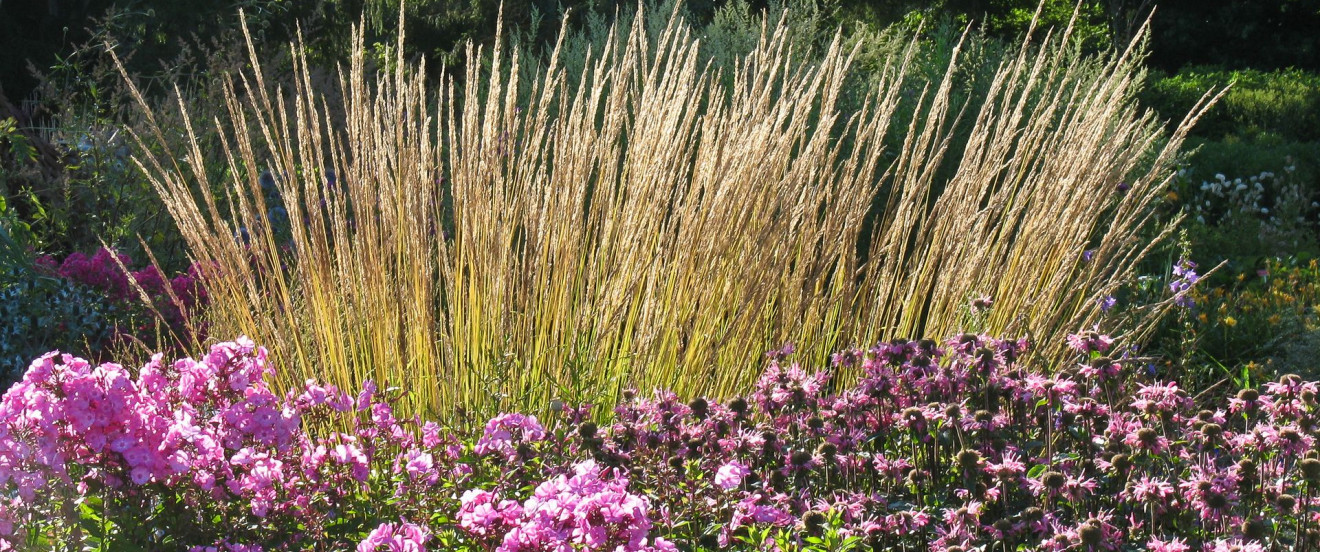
x: 962, y: 443
x: 93, y: 306
x: 147, y: 291
x: 1284, y: 103
x: 522, y: 239
x: 41, y: 312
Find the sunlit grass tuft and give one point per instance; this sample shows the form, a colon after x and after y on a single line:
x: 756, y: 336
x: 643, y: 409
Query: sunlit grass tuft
x: 510, y: 241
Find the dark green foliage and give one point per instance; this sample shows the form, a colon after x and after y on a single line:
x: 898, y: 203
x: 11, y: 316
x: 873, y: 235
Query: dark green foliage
x: 1285, y: 103
x: 43, y: 313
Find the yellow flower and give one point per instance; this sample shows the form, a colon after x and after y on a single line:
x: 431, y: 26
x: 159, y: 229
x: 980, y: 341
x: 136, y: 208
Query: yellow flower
x: 1201, y: 317
x: 1171, y: 196
x: 1274, y: 320
x: 1230, y: 321
x: 1254, y: 369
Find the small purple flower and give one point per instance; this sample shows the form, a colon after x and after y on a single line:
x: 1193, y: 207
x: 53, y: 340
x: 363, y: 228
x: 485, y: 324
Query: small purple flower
x: 1185, y: 276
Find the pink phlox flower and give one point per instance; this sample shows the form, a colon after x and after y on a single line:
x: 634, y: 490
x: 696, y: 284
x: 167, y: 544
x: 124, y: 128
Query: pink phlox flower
x: 505, y: 432
x: 400, y: 537
x: 730, y: 475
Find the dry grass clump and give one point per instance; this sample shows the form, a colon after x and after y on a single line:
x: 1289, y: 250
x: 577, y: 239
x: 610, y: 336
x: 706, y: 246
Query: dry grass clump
x: 638, y: 224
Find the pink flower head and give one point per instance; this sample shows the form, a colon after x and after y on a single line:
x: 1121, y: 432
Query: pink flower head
x: 731, y: 474
x: 504, y: 434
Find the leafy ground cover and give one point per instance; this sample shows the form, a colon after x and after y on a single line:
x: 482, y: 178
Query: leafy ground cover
x: 951, y: 445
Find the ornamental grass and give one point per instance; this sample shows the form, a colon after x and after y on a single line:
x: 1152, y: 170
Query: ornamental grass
x: 524, y: 235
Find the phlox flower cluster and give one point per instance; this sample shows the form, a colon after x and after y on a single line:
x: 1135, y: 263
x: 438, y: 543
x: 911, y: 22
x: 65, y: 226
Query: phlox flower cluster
x: 208, y: 438
x: 587, y: 509
x: 961, y: 444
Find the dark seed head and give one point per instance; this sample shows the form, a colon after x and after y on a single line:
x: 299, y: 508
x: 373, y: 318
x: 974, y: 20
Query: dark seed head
x: 1091, y: 533
x: 827, y: 451
x: 800, y: 458
x: 813, y: 522
x: 738, y: 406
x: 1121, y: 462
x: 969, y: 460
x: 1310, y: 470
x: 1148, y: 436
x: 1216, y: 501
x: 1212, y: 430
x: 694, y: 448
x: 587, y: 430
x: 1286, y: 502
x: 1033, y: 514
x: 953, y: 412
x: 1054, y: 480
x: 1249, y: 395
x: 984, y: 416
x: 815, y: 422
x: 914, y: 414
x: 699, y: 407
